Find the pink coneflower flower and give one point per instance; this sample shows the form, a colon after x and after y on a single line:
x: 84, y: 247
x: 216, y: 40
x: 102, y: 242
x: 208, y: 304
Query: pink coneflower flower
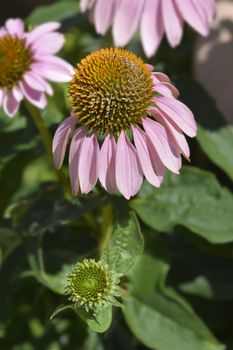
x: 27, y: 61
x: 117, y: 100
x: 154, y: 17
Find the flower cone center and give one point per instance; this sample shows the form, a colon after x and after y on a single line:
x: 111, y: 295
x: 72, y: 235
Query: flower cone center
x: 89, y: 282
x: 110, y: 90
x: 15, y: 59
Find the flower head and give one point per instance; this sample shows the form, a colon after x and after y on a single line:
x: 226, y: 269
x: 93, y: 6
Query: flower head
x: 154, y: 17
x: 93, y: 285
x: 117, y: 98
x: 27, y: 61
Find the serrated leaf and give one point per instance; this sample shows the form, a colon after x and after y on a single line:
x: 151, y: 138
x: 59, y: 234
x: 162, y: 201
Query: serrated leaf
x: 125, y: 246
x: 193, y: 199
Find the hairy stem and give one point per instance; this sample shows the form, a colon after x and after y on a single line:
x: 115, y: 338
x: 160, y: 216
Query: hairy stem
x: 42, y: 128
x: 106, y: 227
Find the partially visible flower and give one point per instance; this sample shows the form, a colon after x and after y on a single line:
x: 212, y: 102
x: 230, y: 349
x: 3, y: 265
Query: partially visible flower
x: 27, y: 61
x: 93, y: 285
x: 154, y: 17
x: 135, y: 111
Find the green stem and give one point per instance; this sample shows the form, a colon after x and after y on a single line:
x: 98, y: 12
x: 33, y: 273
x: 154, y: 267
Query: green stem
x: 42, y: 128
x: 106, y: 227
x: 47, y: 142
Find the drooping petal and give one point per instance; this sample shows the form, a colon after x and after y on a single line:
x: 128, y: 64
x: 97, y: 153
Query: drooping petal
x: 57, y: 62
x: 15, y: 26
x: 107, y: 168
x: 3, y: 32
x: 162, y: 77
x: 17, y: 93
x: 61, y: 138
x: 174, y: 130
x: 103, y: 15
x: 51, y: 72
x: 160, y: 139
x: 86, y: 4
x: 37, y: 98
x: 33, y: 81
x: 172, y: 22
x: 74, y: 156
x: 88, y: 163
x: 166, y: 89
x: 10, y: 104
x: 152, y: 28
x: 129, y: 175
x: 179, y: 113
x: 194, y: 15
x: 126, y: 20
x: 2, y: 94
x: 41, y: 30
x: 152, y: 167
x: 49, y: 43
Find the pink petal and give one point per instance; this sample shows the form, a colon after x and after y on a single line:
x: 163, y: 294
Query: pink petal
x: 152, y: 28
x: 86, y: 4
x: 161, y: 77
x: 174, y: 130
x: 152, y: 167
x: 10, y: 104
x: 88, y: 163
x: 41, y: 30
x: 172, y: 22
x: 2, y: 94
x: 37, y: 98
x: 150, y: 67
x: 56, y: 62
x: 166, y: 89
x: 194, y: 15
x: 3, y: 32
x: 74, y: 156
x: 179, y: 113
x: 17, y: 93
x: 160, y: 139
x: 103, y: 15
x: 129, y: 174
x: 51, y: 72
x: 36, y: 81
x: 126, y: 20
x: 49, y: 43
x: 33, y: 81
x: 15, y: 26
x: 60, y: 140
x: 107, y: 167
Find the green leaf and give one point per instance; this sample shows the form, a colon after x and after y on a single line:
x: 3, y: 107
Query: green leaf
x: 125, y: 246
x: 58, y: 11
x: 9, y: 240
x: 218, y: 145
x: 193, y: 199
x: 99, y: 322
x: 158, y: 316
x: 92, y: 342
x: 56, y: 282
